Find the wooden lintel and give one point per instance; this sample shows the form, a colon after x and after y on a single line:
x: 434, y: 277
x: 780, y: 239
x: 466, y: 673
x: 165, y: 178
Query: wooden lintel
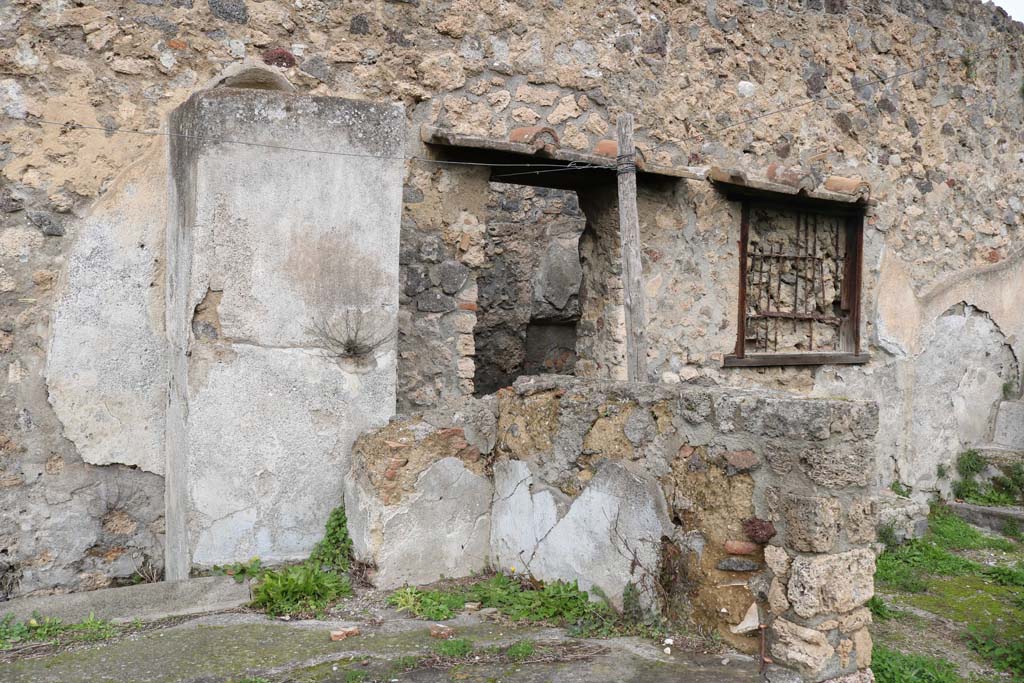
x: 761, y: 360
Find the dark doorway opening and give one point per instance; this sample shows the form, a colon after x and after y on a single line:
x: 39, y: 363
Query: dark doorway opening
x: 529, y: 302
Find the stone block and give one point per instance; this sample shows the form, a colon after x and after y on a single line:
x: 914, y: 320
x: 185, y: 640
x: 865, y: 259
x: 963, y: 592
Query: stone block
x: 839, y: 465
x: 861, y: 521
x: 145, y: 601
x: 602, y: 538
x: 831, y: 584
x: 778, y: 603
x: 778, y: 560
x: 272, y: 406
x: 812, y: 523
x: 799, y: 646
x: 1009, y: 430
x: 440, y: 529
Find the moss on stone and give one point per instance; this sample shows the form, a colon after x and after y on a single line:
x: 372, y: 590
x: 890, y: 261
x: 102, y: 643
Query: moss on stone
x: 971, y: 600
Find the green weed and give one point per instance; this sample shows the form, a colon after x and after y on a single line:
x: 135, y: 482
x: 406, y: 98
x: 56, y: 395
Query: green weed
x: 519, y: 651
x: 1004, y: 652
x: 899, y: 489
x: 887, y: 536
x: 44, y: 629
x: 456, y: 647
x: 1006, y: 576
x: 310, y: 586
x: 952, y: 532
x: 355, y: 676
x: 905, y: 567
x: 879, y: 610
x: 298, y: 589
x: 432, y: 605
x: 556, y: 602
x: 892, y: 666
x: 970, y: 463
x: 334, y: 552
x: 240, y: 571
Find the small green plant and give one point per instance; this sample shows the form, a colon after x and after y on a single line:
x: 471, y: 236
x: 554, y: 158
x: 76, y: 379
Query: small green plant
x: 334, y: 552
x: 879, y: 610
x: 1006, y: 576
x: 310, y: 586
x: 1006, y: 489
x: 520, y: 650
x: 953, y: 533
x: 899, y: 489
x: 1010, y: 388
x: 240, y: 571
x: 942, y: 471
x: 892, y: 666
x: 556, y: 602
x: 298, y: 589
x: 1004, y: 652
x: 887, y: 535
x: 970, y: 463
x: 970, y: 66
x: 355, y: 676
x: 48, y: 629
x: 432, y: 605
x: 456, y: 647
x: 1011, y: 529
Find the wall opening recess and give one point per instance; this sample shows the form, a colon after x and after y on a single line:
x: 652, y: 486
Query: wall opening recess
x: 800, y: 274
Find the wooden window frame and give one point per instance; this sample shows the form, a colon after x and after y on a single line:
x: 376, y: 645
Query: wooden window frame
x: 850, y: 296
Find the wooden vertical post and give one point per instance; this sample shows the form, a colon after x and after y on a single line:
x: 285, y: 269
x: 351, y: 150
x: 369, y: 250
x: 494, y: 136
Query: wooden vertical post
x: 632, y: 272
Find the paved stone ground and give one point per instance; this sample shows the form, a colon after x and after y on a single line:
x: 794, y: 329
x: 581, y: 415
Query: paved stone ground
x: 245, y: 647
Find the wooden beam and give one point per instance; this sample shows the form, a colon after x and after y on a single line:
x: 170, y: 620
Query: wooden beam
x: 632, y: 271
x: 760, y: 360
x: 741, y: 314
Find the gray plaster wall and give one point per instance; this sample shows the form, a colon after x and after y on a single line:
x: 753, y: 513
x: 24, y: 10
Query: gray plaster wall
x: 283, y: 257
x: 105, y: 367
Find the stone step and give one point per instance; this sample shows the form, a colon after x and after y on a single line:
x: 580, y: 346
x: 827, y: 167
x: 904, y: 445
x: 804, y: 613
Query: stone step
x: 1009, y: 431
x: 999, y: 456
x: 995, y: 518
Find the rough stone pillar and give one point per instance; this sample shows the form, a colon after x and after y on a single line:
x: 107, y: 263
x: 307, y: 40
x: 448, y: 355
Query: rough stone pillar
x: 282, y: 297
x: 443, y: 245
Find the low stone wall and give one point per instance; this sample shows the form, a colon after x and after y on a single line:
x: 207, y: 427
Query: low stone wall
x: 736, y: 508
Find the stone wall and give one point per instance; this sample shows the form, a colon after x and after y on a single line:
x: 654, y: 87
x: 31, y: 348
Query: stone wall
x: 234, y: 335
x: 940, y: 148
x: 735, y: 508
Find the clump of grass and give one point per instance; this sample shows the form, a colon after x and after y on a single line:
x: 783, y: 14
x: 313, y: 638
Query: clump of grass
x: 892, y: 666
x: 1006, y: 489
x: 334, y: 552
x: 950, y: 531
x: 879, y: 610
x: 48, y: 629
x: 520, y: 650
x: 1005, y: 652
x: 887, y: 536
x: 312, y: 585
x: 970, y: 463
x: 299, y: 589
x: 1006, y: 576
x: 432, y: 605
x: 456, y: 647
x: 555, y: 602
x: 899, y: 489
